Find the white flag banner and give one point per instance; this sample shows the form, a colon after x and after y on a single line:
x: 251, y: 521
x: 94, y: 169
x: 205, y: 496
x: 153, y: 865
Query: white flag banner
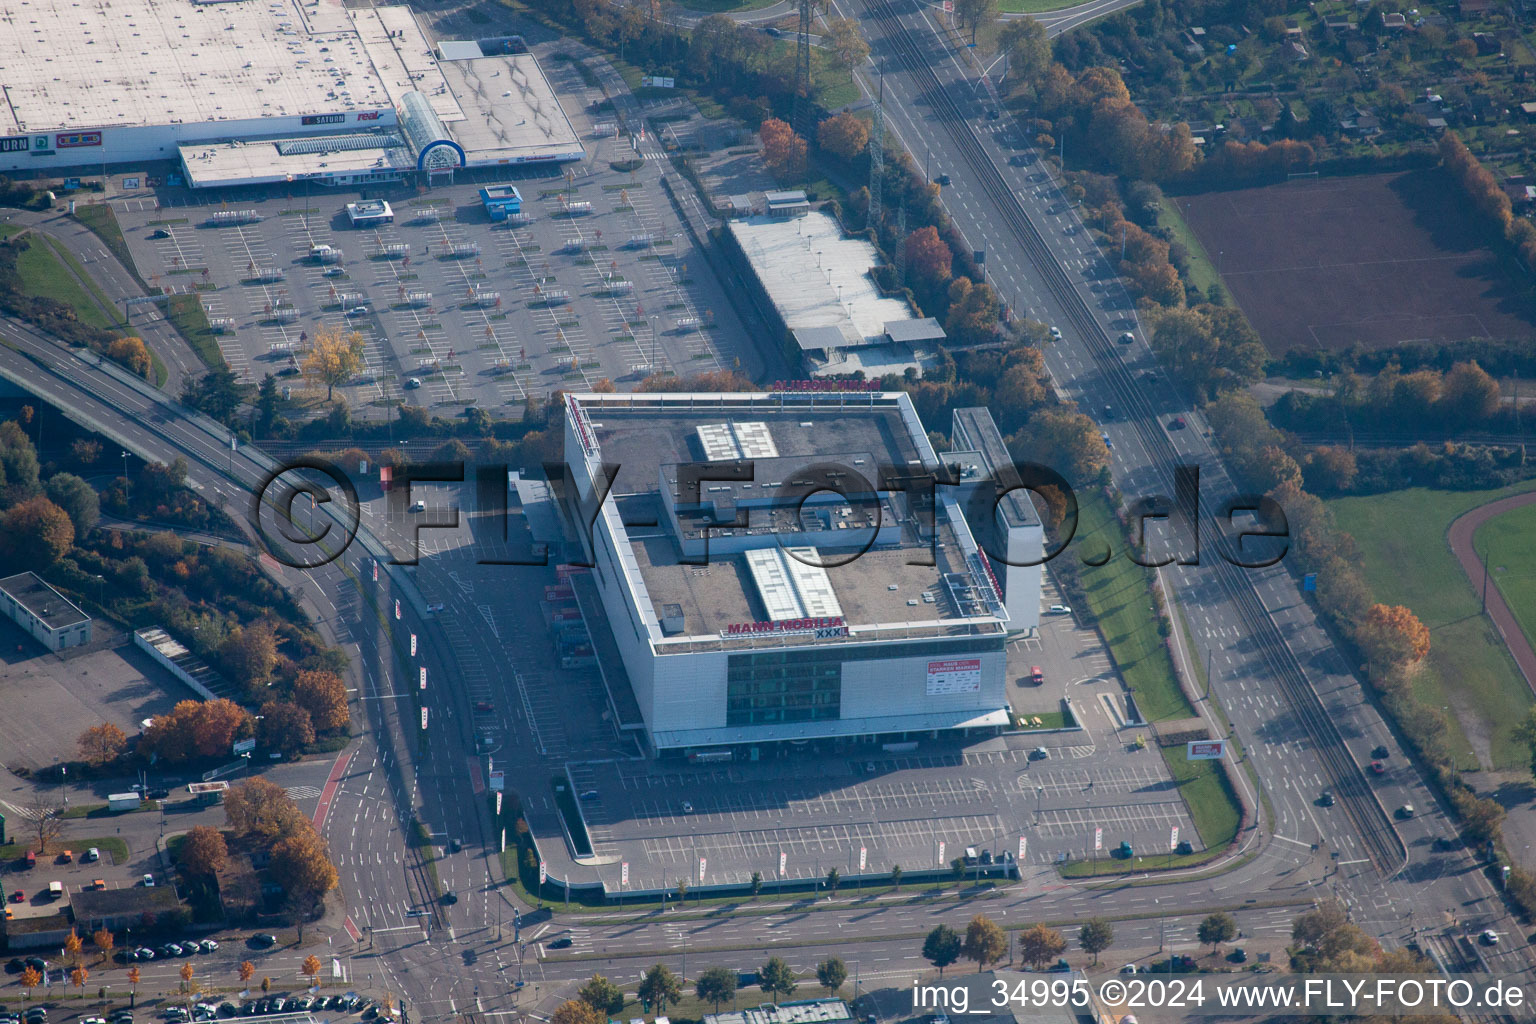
x: 1023, y: 845
x: 1173, y: 838
x: 941, y: 851
x: 702, y: 864
x: 397, y: 608
x: 783, y: 859
x: 1098, y: 839
x: 543, y: 873
x: 624, y: 873
x: 413, y: 645
x: 863, y: 855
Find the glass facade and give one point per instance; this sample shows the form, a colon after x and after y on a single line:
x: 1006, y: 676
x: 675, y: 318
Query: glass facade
x: 806, y: 684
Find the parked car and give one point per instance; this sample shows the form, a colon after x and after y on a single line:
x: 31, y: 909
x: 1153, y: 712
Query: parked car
x: 1037, y: 675
x: 148, y: 881
x: 561, y: 943
x: 1125, y: 851
x: 207, y: 946
x: 1039, y: 754
x: 1177, y: 423
x: 1061, y: 609
x: 412, y: 383
x: 260, y: 941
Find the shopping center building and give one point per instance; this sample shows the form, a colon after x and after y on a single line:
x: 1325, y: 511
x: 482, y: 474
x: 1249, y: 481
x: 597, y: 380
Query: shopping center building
x: 773, y: 569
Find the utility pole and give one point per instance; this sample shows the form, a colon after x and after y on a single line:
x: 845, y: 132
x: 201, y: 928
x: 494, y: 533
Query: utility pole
x: 802, y: 109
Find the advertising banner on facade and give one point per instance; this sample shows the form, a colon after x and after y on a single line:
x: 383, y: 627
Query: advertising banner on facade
x: 954, y: 675
x: 1206, y: 750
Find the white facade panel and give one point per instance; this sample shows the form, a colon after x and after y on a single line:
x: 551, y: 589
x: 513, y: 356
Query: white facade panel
x: 879, y: 689
x: 89, y: 148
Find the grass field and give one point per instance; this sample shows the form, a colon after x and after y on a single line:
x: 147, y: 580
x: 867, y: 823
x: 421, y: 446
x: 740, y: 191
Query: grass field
x: 44, y: 272
x: 185, y: 312
x: 1034, y: 6
x: 1202, y: 269
x: 1506, y: 541
x: 1117, y: 595
x: 1407, y: 561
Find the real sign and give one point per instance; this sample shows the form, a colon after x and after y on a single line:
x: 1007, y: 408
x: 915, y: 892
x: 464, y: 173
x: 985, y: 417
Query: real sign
x: 1206, y: 750
x: 953, y: 675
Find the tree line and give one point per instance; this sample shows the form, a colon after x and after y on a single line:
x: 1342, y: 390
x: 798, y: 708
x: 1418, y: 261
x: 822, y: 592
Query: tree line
x: 1387, y: 642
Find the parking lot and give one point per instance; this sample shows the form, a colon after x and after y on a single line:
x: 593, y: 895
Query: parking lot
x: 820, y: 812
x: 601, y: 282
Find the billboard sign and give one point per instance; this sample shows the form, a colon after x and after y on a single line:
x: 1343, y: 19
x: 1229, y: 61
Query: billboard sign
x: 498, y: 780
x: 1206, y: 750
x: 953, y: 675
x: 309, y: 119
x: 243, y: 747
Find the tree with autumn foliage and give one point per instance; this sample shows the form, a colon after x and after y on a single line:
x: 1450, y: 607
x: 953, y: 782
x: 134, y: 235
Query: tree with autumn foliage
x: 1392, y: 635
x: 285, y: 728
x: 249, y: 656
x: 311, y: 968
x: 132, y: 354
x: 574, y: 1011
x: 247, y: 972
x: 34, y: 534
x: 103, y: 940
x: 301, y: 864
x: 260, y: 807
x: 203, y: 850
x: 101, y: 743
x: 783, y: 150
x: 929, y: 261
x: 846, y: 41
x: 335, y: 356
x: 324, y: 696
x: 843, y: 135
x: 196, y: 729
x: 72, y: 945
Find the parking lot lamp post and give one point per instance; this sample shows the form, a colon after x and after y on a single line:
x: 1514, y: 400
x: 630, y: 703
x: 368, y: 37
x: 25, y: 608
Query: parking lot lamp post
x: 1039, y: 794
x: 125, y: 464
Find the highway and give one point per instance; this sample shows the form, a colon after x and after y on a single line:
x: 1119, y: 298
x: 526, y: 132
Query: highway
x: 1299, y: 713
x: 1300, y: 716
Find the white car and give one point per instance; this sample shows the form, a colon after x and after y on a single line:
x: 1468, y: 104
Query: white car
x: 1490, y: 937
x: 208, y: 946
x: 687, y: 807
x: 1128, y: 969
x: 418, y: 506
x: 1056, y: 333
x: 1061, y: 609
x: 149, y: 881
x: 358, y: 311
x: 412, y: 383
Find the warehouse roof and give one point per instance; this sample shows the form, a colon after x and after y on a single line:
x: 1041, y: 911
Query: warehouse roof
x: 149, y: 62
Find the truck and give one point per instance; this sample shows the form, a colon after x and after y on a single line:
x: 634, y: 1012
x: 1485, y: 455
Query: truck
x: 123, y: 801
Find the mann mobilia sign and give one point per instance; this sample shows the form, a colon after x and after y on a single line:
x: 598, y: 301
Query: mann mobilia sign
x: 824, y: 628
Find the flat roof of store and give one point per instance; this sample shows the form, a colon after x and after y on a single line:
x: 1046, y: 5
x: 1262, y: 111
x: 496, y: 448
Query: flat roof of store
x: 152, y: 62
x: 880, y: 587
x: 262, y: 160
x: 50, y: 607
x: 793, y: 257
x: 509, y: 113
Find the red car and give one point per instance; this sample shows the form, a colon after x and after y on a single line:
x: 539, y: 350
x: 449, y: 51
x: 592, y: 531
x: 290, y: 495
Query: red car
x: 483, y: 705
x: 18, y: 897
x: 1377, y: 768
x: 1036, y: 675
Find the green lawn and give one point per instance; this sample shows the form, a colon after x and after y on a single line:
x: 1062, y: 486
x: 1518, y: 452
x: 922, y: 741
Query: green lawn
x: 1506, y: 541
x: 1202, y: 269
x: 1118, y: 599
x: 44, y: 272
x: 100, y: 219
x: 1034, y: 6
x: 1407, y: 561
x: 185, y: 312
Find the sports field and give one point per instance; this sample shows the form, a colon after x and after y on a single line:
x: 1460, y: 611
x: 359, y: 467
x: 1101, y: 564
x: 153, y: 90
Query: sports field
x: 1379, y: 259
x: 1509, y: 542
x: 1402, y: 538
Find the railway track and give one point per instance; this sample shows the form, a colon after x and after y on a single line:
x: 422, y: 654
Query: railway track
x: 1355, y: 798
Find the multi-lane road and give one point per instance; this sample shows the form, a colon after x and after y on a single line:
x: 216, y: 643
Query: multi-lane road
x: 1299, y: 714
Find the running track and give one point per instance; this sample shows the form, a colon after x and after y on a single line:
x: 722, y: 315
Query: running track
x: 1460, y: 536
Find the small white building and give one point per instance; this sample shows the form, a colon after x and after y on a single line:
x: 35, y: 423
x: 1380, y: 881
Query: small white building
x: 46, y: 615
